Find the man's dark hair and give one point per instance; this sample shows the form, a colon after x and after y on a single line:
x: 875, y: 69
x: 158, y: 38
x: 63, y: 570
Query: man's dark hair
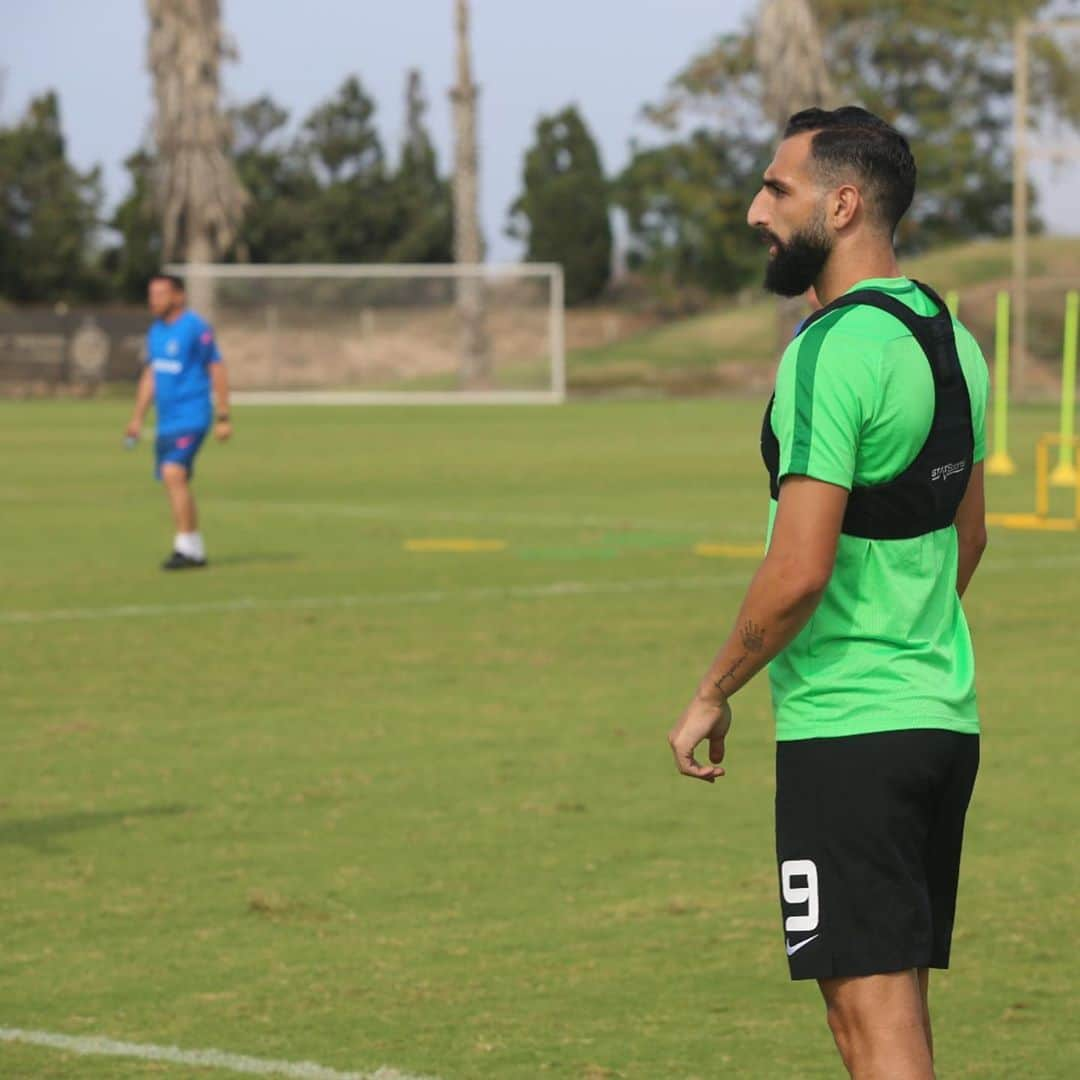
x: 176, y: 282
x: 851, y: 140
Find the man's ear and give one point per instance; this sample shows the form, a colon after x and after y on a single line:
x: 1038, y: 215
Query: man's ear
x: 845, y: 204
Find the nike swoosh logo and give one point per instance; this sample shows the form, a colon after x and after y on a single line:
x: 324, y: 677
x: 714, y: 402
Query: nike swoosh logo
x: 793, y: 949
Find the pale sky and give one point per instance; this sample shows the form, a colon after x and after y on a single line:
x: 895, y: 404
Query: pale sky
x: 607, y: 56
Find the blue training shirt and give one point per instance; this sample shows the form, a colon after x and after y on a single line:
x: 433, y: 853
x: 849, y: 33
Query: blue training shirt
x: 180, y: 354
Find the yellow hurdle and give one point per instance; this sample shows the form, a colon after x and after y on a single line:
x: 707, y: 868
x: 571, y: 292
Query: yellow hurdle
x: 1041, y: 521
x: 1000, y: 463
x: 1065, y: 473
x: 1042, y: 473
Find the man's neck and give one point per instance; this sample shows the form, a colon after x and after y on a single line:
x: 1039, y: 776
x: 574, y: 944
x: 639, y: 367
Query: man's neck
x: 173, y: 316
x: 840, y: 274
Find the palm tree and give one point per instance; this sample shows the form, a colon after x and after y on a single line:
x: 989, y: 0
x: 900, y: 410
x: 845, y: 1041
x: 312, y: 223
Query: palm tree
x: 468, y: 241
x: 198, y: 193
x: 790, y: 58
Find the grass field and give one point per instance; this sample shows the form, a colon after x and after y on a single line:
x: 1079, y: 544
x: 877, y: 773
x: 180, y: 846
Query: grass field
x: 338, y: 801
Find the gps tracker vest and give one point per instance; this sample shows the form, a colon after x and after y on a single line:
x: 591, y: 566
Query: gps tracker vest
x: 927, y: 494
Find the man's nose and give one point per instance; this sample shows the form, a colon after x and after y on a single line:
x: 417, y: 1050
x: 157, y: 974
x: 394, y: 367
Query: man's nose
x: 755, y: 216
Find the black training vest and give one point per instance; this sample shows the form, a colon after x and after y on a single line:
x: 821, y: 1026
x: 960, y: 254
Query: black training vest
x: 927, y: 494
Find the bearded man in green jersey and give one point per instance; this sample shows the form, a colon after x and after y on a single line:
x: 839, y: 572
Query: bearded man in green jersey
x: 873, y: 443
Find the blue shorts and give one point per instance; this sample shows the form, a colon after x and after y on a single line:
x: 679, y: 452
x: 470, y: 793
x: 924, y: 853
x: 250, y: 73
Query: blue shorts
x: 178, y: 449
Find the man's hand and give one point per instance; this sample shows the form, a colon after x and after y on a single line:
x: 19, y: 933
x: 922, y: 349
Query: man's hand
x: 703, y: 719
x: 222, y: 430
x: 134, y: 429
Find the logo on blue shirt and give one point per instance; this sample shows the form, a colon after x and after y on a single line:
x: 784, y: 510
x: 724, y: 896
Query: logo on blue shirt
x: 180, y: 354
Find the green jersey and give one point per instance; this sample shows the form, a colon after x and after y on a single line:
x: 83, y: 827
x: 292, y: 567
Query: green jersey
x: 888, y: 646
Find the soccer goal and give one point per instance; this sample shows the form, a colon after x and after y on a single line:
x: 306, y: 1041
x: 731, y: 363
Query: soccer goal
x: 386, y: 334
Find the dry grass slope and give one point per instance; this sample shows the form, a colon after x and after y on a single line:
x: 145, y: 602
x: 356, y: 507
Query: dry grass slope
x: 734, y: 346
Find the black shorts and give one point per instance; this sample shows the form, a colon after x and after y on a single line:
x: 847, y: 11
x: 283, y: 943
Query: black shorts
x: 868, y: 836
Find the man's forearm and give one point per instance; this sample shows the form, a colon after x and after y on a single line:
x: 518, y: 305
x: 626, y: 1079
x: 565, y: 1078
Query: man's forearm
x: 778, y: 604
x: 220, y: 379
x: 968, y: 555
x: 143, y: 396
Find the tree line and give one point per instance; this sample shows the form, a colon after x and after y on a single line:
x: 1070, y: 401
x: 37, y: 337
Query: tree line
x: 325, y: 188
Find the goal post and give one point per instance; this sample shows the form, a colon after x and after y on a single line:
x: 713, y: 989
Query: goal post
x: 395, y: 334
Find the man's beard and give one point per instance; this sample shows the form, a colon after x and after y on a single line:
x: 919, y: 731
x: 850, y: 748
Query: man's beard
x: 798, y: 263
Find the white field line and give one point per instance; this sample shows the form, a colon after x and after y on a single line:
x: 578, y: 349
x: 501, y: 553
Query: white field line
x: 420, y: 514
x: 362, y: 600
x: 441, y: 596
x: 206, y: 1059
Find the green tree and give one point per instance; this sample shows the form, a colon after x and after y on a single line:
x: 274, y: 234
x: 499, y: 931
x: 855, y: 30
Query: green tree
x: 48, y: 212
x: 355, y: 216
x: 130, y: 263
x: 424, y: 204
x: 562, y: 213
x: 281, y: 221
x: 327, y: 195
x: 685, y: 205
x: 941, y: 72
x: 341, y: 134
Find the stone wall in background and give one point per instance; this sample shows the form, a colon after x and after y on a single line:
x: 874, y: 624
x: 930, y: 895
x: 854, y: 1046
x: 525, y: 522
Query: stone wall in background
x: 71, y: 351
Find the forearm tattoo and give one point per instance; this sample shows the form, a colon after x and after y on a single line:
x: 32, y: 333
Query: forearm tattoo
x: 753, y: 638
x: 730, y: 673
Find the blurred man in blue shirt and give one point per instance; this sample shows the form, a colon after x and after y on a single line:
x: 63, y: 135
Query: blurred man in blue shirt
x: 183, y: 371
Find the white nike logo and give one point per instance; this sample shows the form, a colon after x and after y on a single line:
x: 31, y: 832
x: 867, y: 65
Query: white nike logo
x: 793, y: 949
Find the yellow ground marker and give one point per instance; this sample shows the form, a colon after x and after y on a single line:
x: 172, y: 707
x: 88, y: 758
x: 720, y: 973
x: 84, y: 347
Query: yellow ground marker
x: 729, y: 551
x: 455, y: 545
x: 1033, y: 522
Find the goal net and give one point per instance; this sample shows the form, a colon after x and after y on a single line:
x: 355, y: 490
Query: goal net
x: 393, y: 334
